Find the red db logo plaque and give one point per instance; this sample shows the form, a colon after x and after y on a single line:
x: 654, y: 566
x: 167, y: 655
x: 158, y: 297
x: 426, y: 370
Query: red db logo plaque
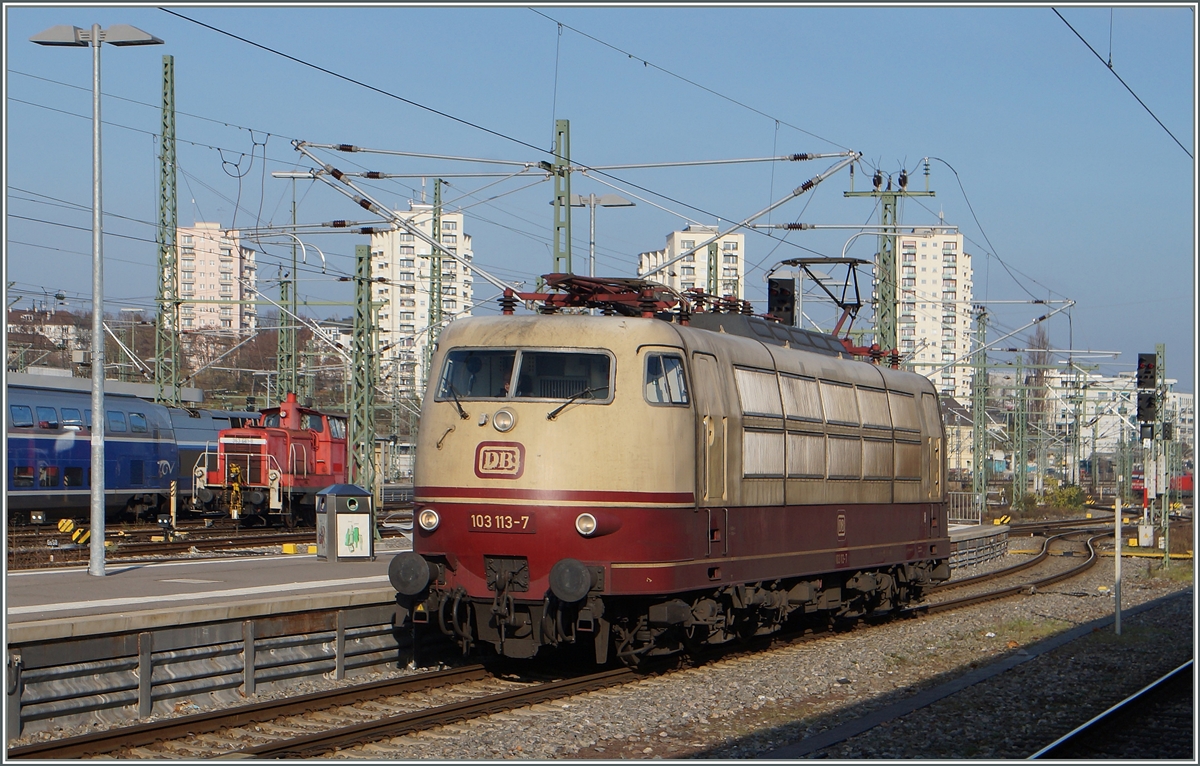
x: 499, y: 460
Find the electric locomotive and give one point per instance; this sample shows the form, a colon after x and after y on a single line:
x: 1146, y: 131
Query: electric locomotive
x: 657, y: 479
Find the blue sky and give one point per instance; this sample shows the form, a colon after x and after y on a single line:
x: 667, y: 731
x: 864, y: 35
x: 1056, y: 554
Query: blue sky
x: 1078, y: 192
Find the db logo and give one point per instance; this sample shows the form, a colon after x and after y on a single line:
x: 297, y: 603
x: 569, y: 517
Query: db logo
x: 499, y: 460
x: 841, y: 526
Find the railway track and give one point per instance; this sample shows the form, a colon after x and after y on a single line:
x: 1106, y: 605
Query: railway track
x: 318, y: 724
x: 139, y: 546
x: 1154, y: 723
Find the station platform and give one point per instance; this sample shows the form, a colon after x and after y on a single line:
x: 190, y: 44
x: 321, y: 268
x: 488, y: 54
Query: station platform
x: 43, y: 605
x: 977, y: 543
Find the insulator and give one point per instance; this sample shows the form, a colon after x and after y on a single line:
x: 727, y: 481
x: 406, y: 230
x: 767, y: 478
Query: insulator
x: 801, y: 156
x: 341, y: 223
x: 903, y: 179
x: 371, y: 230
x: 795, y: 226
x: 806, y: 186
x: 363, y: 203
x: 508, y: 302
x: 747, y: 308
x: 372, y: 174
x: 347, y: 148
x: 877, y: 180
x: 339, y: 175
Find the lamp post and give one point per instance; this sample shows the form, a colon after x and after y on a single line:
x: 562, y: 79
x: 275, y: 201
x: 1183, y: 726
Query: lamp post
x: 117, y: 34
x: 592, y: 201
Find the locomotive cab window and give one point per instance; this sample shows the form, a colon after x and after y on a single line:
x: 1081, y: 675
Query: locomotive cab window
x: 665, y: 381
x: 526, y: 374
x: 271, y: 421
x: 137, y: 422
x: 477, y: 374
x: 563, y: 375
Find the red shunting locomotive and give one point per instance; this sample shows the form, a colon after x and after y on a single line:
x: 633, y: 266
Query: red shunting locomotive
x: 273, y: 467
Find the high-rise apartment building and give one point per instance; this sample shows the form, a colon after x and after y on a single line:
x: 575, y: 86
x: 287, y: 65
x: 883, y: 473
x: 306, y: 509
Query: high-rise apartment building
x: 693, y: 270
x: 934, y: 298
x: 403, y: 261
x: 215, y: 273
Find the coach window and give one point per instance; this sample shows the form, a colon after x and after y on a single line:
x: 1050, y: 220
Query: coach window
x: 47, y: 417
x: 22, y: 416
x: 665, y: 381
x: 87, y: 418
x: 116, y: 422
x: 137, y: 422
x: 72, y: 418
x: 22, y: 476
x: 72, y: 476
x: 48, y: 476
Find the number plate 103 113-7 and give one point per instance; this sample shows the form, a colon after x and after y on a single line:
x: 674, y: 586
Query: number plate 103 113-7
x: 501, y: 522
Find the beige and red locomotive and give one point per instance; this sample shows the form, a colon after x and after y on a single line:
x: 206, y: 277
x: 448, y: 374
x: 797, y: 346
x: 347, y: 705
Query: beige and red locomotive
x: 652, y: 485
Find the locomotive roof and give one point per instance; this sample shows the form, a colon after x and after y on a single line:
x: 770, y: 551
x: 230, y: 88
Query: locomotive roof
x: 806, y: 352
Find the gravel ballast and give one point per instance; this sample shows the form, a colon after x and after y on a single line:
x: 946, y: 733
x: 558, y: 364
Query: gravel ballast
x: 749, y: 706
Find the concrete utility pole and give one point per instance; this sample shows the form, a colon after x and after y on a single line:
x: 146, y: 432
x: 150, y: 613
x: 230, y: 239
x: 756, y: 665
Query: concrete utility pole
x: 1020, y: 449
x: 886, y: 274
x: 166, y: 335
x: 713, y: 254
x: 363, y: 361
x: 561, y: 169
x: 285, y: 353
x: 435, y: 278
x: 979, y: 385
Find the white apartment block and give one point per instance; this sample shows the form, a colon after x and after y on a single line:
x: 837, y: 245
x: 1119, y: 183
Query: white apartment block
x: 935, y: 291
x: 403, y: 261
x: 693, y: 270
x: 215, y: 273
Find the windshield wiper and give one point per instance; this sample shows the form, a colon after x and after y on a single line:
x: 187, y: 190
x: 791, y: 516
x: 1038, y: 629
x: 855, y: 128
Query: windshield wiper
x: 461, y: 412
x: 587, y: 391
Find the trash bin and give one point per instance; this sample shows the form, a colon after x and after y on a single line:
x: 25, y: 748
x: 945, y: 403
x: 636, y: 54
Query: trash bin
x: 345, y: 524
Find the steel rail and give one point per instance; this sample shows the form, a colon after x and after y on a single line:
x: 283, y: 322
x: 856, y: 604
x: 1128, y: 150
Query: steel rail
x: 1067, y: 746
x: 316, y: 744
x: 140, y: 735
x: 943, y: 606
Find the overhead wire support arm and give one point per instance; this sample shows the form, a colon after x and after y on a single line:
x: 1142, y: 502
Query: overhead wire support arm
x: 367, y: 202
x: 397, y: 153
x: 693, y: 163
x: 849, y: 158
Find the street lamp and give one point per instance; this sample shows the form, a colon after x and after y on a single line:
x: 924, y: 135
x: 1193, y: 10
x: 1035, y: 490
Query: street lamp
x: 117, y: 34
x: 592, y: 201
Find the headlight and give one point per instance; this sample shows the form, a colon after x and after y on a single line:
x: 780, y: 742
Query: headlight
x: 585, y: 524
x: 428, y: 519
x: 504, y: 420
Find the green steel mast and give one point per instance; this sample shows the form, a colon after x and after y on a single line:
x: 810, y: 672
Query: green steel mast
x: 886, y: 273
x: 561, y: 169
x: 166, y: 335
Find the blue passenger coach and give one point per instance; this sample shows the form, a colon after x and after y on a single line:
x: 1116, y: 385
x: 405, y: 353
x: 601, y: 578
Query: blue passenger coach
x: 49, y: 453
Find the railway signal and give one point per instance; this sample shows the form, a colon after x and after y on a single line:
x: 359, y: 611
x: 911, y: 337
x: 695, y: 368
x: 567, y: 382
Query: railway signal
x: 1147, y: 406
x: 781, y: 299
x: 1147, y: 371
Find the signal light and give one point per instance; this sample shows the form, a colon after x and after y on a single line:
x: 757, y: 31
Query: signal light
x: 1147, y: 407
x: 781, y: 299
x: 1147, y: 370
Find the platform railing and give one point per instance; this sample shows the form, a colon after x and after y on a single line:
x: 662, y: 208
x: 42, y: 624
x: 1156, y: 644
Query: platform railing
x: 123, y: 676
x: 963, y: 508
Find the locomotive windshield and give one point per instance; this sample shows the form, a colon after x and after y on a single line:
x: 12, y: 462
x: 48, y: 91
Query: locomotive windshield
x: 555, y: 375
